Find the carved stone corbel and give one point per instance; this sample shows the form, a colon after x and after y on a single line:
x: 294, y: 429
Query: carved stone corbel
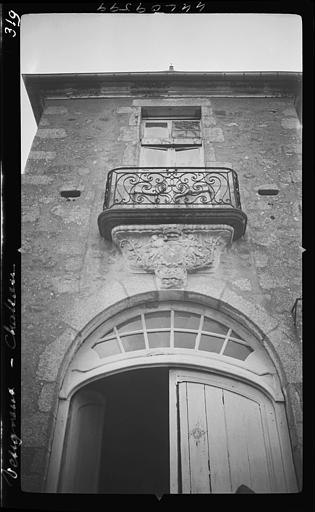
x: 172, y: 250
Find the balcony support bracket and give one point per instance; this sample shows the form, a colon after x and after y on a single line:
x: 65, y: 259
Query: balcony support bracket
x: 170, y: 251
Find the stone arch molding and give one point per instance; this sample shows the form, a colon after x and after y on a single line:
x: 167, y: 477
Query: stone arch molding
x: 267, y: 330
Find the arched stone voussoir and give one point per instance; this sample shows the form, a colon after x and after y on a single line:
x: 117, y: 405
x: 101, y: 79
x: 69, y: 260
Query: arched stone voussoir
x: 256, y: 313
x: 289, y: 353
x: 53, y: 355
x: 87, y: 307
x: 281, y: 347
x: 89, y: 310
x: 206, y: 284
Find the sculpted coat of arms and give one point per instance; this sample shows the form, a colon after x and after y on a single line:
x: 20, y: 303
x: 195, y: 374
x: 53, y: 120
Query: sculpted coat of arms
x: 171, y: 251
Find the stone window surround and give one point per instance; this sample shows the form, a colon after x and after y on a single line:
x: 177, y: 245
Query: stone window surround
x: 131, y: 133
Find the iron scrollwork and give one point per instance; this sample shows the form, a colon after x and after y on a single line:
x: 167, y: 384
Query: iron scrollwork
x: 172, y: 187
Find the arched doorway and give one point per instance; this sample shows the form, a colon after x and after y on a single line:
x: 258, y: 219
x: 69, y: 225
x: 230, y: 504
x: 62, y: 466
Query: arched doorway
x: 171, y: 398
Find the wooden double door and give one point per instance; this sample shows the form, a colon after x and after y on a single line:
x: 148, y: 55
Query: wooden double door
x: 162, y: 431
x: 230, y: 436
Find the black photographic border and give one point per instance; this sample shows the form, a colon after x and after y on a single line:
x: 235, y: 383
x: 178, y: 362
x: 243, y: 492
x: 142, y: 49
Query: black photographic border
x: 11, y: 494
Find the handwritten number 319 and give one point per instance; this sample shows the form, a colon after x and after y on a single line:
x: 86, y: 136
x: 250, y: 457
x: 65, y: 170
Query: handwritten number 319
x: 9, y: 30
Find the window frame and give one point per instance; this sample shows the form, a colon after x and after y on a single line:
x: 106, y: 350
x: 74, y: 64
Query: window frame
x: 257, y: 367
x: 169, y: 139
x: 171, y: 143
x: 227, y: 339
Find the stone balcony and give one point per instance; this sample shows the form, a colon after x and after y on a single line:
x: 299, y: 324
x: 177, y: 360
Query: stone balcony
x: 172, y: 221
x: 169, y: 195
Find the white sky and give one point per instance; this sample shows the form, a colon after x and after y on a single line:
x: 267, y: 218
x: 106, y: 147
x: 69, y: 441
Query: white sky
x: 74, y: 43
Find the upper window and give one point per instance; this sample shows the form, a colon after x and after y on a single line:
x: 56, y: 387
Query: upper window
x: 171, y: 125
x: 171, y: 130
x: 171, y: 137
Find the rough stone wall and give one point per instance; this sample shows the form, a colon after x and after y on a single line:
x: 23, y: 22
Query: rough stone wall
x: 63, y: 256
x: 69, y: 274
x: 262, y: 140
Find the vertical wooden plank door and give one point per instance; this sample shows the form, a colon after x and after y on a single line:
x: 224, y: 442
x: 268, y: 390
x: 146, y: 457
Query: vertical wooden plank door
x: 81, y: 459
x: 226, y: 438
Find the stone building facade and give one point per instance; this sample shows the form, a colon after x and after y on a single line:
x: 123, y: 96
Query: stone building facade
x: 169, y: 253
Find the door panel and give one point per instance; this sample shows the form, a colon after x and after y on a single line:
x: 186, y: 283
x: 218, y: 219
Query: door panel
x: 246, y: 443
x: 197, y: 438
x: 184, y: 445
x: 229, y: 436
x: 279, y: 481
x: 81, y: 461
x: 256, y: 445
x: 220, y: 471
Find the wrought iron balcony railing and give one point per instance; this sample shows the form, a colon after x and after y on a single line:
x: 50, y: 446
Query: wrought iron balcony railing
x: 172, y: 194
x: 172, y: 187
